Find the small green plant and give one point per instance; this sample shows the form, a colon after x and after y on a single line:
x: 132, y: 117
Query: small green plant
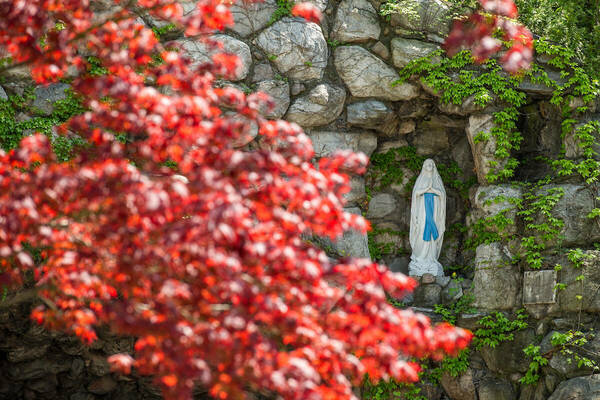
x: 571, y: 345
x: 390, y: 390
x: 284, y: 9
x: 497, y: 328
x: 532, y: 375
x: 333, y: 43
x: 456, y: 366
x: 271, y: 57
x: 308, y: 63
x: 162, y: 31
x: 379, y: 249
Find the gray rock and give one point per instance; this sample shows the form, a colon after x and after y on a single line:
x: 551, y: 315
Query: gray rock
x: 534, y: 392
x: 496, y: 284
x: 489, y: 201
x: 431, y: 141
x: 200, y: 53
x: 381, y: 50
x: 573, y: 207
x: 373, y: 114
x: 407, y: 50
x: 3, y: 95
x: 320, y: 4
x: 400, y: 264
x: 539, y: 287
x: 427, y: 295
x: 483, y: 151
x: 381, y: 205
x: 357, y: 191
x: 452, y: 292
x: 495, y: 389
x: 451, y: 247
x: 263, y: 72
x: 368, y: 76
x: 279, y: 91
x: 351, y: 244
x: 467, y: 107
x: 582, y: 388
x: 297, y: 48
x: 572, y: 143
x: 443, y: 281
x: 326, y: 142
x: 46, y: 96
x: 251, y: 17
x: 540, y: 88
x: 432, y: 16
x: 461, y: 153
x: 461, y: 387
x: 507, y: 357
x: 581, y: 294
x: 322, y: 105
x: 297, y: 88
x: 355, y: 21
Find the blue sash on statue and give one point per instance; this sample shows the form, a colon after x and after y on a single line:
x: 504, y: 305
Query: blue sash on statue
x: 430, y: 228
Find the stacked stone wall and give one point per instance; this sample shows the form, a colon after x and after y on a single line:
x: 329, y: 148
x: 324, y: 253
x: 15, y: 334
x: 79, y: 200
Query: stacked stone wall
x: 338, y: 80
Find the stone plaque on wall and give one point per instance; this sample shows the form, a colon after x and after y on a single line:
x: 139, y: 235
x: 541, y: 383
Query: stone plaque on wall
x: 539, y: 287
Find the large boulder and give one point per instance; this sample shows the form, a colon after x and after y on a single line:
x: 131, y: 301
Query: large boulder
x: 582, y: 388
x: 357, y: 191
x: 490, y: 201
x: 407, y: 50
x: 373, y: 114
x: 573, y: 208
x: 381, y: 205
x: 326, y: 142
x: 322, y: 105
x: 428, y: 16
x: 46, y: 96
x: 460, y: 387
x: 368, y: 76
x: 484, y: 151
x: 431, y: 141
x: 355, y: 21
x: 350, y: 244
x: 250, y: 17
x: 296, y: 47
x: 507, y: 357
x: 581, y: 294
x: 279, y: 91
x: 199, y: 53
x: 496, y: 389
x: 497, y: 282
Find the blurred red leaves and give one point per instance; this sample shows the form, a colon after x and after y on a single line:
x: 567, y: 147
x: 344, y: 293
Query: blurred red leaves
x: 480, y: 33
x: 206, y: 263
x: 308, y: 11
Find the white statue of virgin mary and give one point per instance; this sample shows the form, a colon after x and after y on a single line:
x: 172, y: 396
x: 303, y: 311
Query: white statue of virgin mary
x: 427, y: 222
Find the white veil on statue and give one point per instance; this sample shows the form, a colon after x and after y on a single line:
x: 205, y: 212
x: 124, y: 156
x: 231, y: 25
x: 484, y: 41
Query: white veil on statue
x: 425, y: 252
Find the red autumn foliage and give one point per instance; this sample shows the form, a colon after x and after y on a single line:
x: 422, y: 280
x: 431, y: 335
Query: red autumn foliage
x: 479, y: 33
x: 206, y: 266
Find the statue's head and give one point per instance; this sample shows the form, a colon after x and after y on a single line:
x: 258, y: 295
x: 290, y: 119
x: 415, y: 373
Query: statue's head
x: 428, y: 165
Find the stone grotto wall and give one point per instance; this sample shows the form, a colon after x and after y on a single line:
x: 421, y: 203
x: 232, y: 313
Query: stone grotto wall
x: 336, y: 81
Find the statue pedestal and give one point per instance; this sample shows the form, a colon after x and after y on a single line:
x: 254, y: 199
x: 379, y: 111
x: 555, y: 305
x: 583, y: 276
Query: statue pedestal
x: 419, y: 268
